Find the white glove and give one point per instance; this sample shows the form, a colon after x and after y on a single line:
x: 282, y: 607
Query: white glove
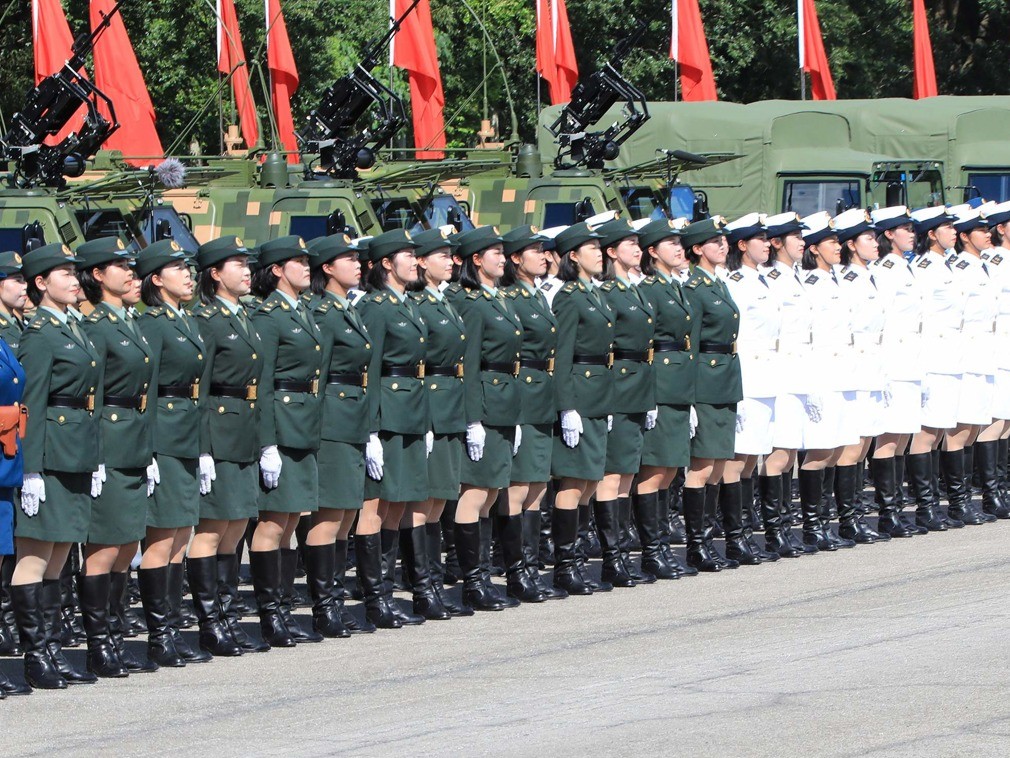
x: 571, y: 428
x: 475, y: 438
x: 650, y: 419
x: 518, y: 440
x: 270, y: 466
x: 739, y: 421
x: 208, y: 473
x: 925, y: 396
x: 33, y: 492
x: 373, y: 457
x: 610, y: 423
x: 429, y: 443
x: 888, y: 397
x: 813, y: 406
x: 693, y: 421
x: 97, y: 479
x: 153, y: 476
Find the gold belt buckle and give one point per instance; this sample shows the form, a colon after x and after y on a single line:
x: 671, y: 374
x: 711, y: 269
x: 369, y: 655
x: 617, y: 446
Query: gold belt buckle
x: 652, y: 355
x: 687, y: 342
x: 364, y: 379
x: 143, y: 403
x: 420, y: 370
x: 610, y: 360
x: 90, y: 404
x: 550, y: 366
x: 459, y: 370
x: 251, y: 391
x: 315, y: 387
x: 194, y: 390
x: 516, y: 365
x: 733, y: 347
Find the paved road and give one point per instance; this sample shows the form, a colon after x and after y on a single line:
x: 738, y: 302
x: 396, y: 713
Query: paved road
x: 895, y: 649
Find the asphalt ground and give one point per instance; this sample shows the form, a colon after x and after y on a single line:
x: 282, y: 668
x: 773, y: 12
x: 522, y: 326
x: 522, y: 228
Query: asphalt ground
x: 895, y: 649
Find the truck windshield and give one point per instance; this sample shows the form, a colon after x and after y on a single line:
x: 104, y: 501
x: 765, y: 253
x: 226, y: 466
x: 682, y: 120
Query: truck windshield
x: 643, y: 202
x: 445, y: 210
x: 993, y: 186
x: 99, y: 223
x: 166, y: 217
x: 807, y: 196
x: 913, y: 187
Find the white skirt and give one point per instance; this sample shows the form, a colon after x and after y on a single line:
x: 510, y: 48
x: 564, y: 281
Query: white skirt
x: 835, y: 426
x: 975, y: 402
x: 902, y: 408
x: 941, y: 395
x: 790, y: 416
x: 1001, y: 394
x: 869, y: 414
x: 755, y: 426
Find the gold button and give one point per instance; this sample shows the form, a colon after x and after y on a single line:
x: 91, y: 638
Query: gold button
x: 712, y: 362
x: 529, y: 379
x: 433, y: 385
x: 396, y: 385
x: 318, y: 348
x: 91, y: 390
x: 93, y: 363
x: 199, y: 356
x: 146, y: 359
x: 170, y: 406
x: 341, y: 394
x: 609, y: 324
x: 624, y: 371
x: 252, y: 405
x: 518, y: 332
x: 688, y: 318
x: 690, y: 357
x: 650, y: 320
x: 317, y: 372
x: 552, y: 351
x: 553, y: 330
x: 666, y: 361
x: 145, y: 385
x: 220, y: 409
x: 114, y: 417
x: 735, y: 316
x: 287, y: 398
x: 254, y: 356
x: 254, y: 381
x: 494, y: 381
x: 368, y: 346
x: 62, y: 419
x: 734, y: 336
x: 588, y: 374
x: 462, y: 336
x: 422, y: 339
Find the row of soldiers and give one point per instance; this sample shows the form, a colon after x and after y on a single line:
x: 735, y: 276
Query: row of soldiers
x: 406, y: 393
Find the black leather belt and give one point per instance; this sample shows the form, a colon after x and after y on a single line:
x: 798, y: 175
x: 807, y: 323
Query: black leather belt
x: 409, y: 371
x: 86, y: 403
x: 190, y: 391
x: 290, y: 385
x: 671, y: 346
x: 607, y: 359
x: 357, y: 380
x: 135, y: 402
x: 501, y: 367
x: 536, y: 365
x: 455, y: 370
x: 641, y: 356
x: 239, y: 391
x: 725, y: 348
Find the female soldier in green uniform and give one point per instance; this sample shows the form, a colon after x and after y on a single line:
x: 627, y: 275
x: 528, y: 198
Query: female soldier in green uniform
x: 290, y: 427
x: 129, y: 472
x: 399, y: 420
x: 347, y: 350
x: 177, y: 353
x: 228, y: 435
x: 443, y: 373
x: 584, y: 395
x: 634, y: 408
x: 492, y: 403
x: 61, y: 452
x: 667, y: 446
x: 531, y: 467
x: 718, y: 389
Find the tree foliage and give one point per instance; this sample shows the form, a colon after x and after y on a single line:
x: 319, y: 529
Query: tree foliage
x: 753, y: 46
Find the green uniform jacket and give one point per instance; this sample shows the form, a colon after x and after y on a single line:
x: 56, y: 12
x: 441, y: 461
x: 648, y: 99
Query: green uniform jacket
x: 10, y: 331
x: 540, y: 341
x: 494, y: 334
x: 292, y: 351
x: 124, y: 357
x: 234, y: 354
x: 718, y: 378
x: 585, y: 327
x: 674, y: 370
x: 634, y: 326
x: 58, y: 363
x: 446, y: 345
x: 347, y: 349
x: 178, y: 353
x: 399, y: 338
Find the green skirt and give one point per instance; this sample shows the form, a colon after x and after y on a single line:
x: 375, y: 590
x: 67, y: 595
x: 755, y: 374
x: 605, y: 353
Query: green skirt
x: 298, y: 491
x: 588, y: 459
x: 341, y: 475
x: 444, y: 466
x: 624, y: 444
x: 668, y: 444
x: 176, y: 500
x: 119, y: 514
x: 533, y: 461
x: 494, y: 469
x: 234, y: 495
x: 65, y: 514
x: 404, y: 470
x: 716, y: 432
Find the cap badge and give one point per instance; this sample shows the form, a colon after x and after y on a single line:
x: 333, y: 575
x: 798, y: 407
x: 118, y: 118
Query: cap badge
x: 238, y: 242
x: 120, y: 245
x: 175, y: 246
x: 67, y: 252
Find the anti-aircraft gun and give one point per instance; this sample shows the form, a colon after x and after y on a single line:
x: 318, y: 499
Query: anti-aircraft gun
x: 333, y: 132
x: 48, y: 109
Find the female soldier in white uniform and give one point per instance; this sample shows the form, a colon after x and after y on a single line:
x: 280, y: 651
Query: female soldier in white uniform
x: 997, y: 260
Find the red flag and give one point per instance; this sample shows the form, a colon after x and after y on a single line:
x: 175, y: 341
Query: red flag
x: 564, y: 54
x: 925, y: 72
x: 547, y: 67
x: 813, y: 58
x: 118, y: 75
x: 414, y: 50
x: 689, y: 48
x: 231, y: 60
x: 283, y: 77
x: 52, y: 46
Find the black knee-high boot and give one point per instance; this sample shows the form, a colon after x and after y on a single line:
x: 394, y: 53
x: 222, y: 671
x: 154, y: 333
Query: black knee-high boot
x: 531, y: 545
x: 732, y: 506
x: 40, y: 670
x: 519, y: 584
x: 378, y: 610
x: 351, y: 623
x: 158, y: 613
x: 265, y: 566
x: 436, y: 571
x: 118, y: 626
x: 565, y: 531
x: 476, y: 594
x: 103, y: 658
x: 698, y: 554
x: 774, y: 518
x: 52, y: 615
x: 426, y: 603
x: 228, y: 596
x: 320, y: 568
x: 452, y: 573
x: 608, y: 527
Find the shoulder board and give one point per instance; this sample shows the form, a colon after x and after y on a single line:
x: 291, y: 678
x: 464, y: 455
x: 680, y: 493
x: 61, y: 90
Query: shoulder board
x: 38, y: 322
x: 888, y: 264
x: 306, y: 297
x: 324, y: 305
x: 608, y: 285
x: 511, y: 293
x: 379, y: 297
x: 206, y: 311
x: 97, y: 315
x: 736, y: 276
x: 773, y: 274
x: 996, y: 259
x: 924, y: 263
x: 158, y: 310
x: 570, y: 287
x: 851, y: 276
x: 474, y: 294
x: 454, y: 287
x: 963, y: 264
x: 648, y: 280
x: 268, y: 306
x: 693, y: 284
x: 4, y: 321
x: 812, y: 279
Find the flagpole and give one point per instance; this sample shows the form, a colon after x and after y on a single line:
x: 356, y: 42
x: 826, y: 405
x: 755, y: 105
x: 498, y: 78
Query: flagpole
x: 799, y: 39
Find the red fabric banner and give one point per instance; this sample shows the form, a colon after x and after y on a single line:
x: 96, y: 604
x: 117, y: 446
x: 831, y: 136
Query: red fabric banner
x: 924, y: 84
x: 283, y: 77
x: 231, y: 60
x: 414, y: 50
x: 689, y: 48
